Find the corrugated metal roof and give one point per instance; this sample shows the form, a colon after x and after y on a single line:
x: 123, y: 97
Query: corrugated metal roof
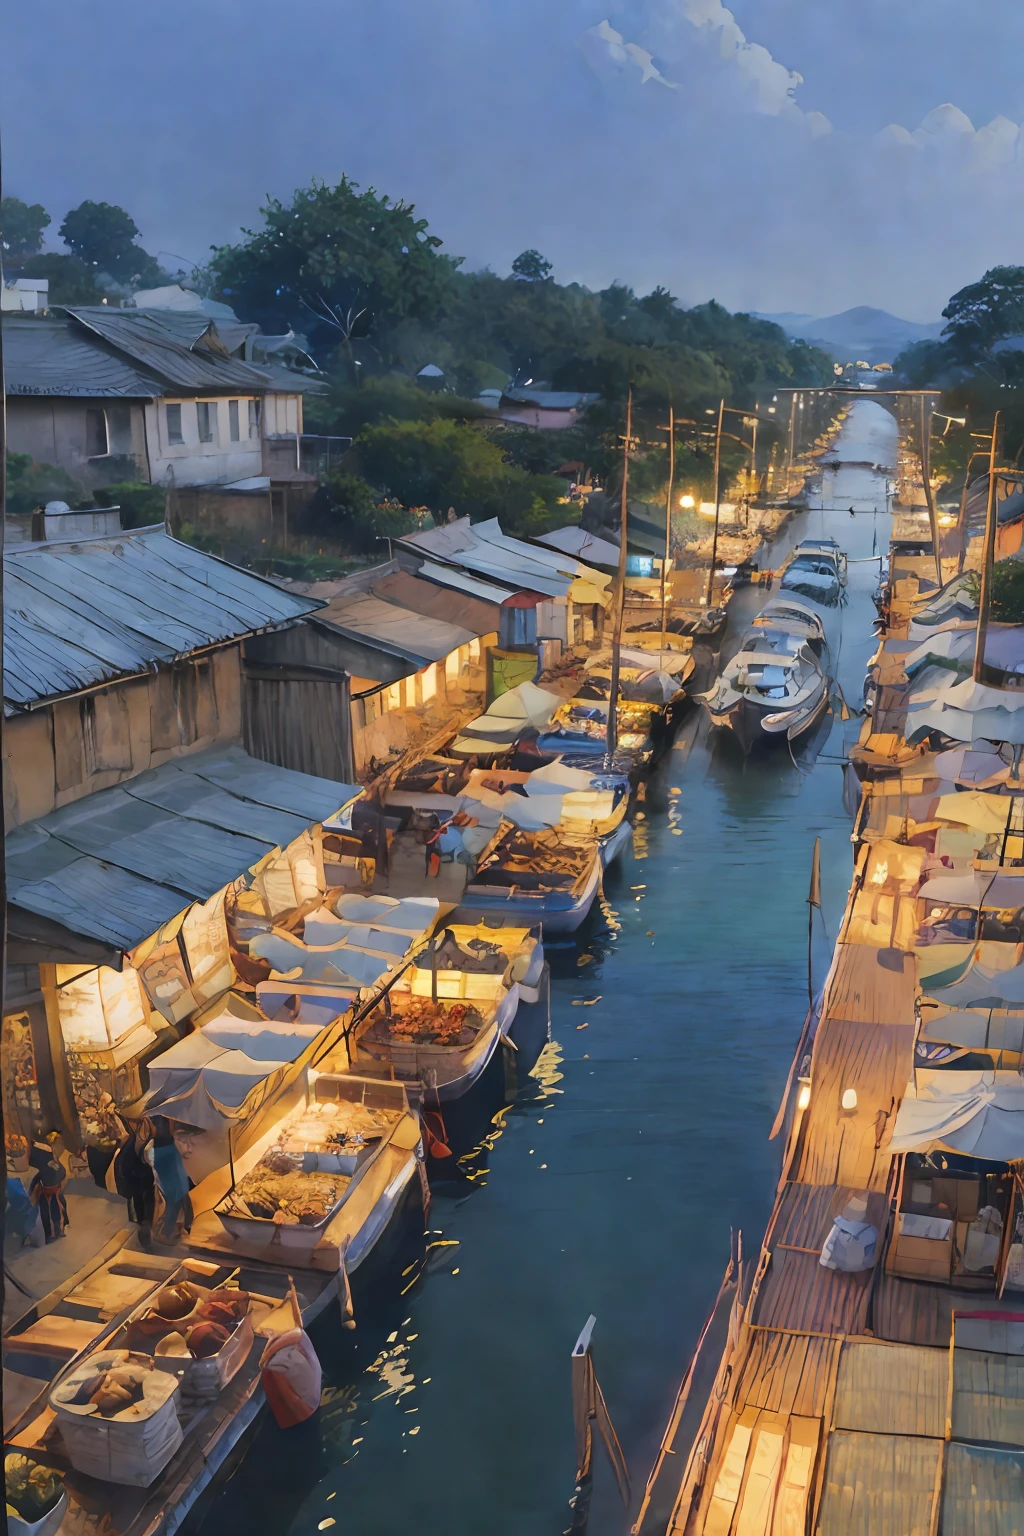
x: 81, y: 613
x: 482, y: 547
x: 117, y: 864
x: 398, y: 631
x: 423, y: 597
x: 447, y: 576
x: 983, y: 1491
x: 583, y: 545
x: 53, y: 357
x: 892, y: 1389
x: 181, y: 348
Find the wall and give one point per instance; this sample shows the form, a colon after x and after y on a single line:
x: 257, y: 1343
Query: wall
x: 53, y: 431
x: 402, y: 714
x: 193, y: 462
x: 72, y: 748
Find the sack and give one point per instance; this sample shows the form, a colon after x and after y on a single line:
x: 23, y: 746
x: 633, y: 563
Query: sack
x: 291, y: 1378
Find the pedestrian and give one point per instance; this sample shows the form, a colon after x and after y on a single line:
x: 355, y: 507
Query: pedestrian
x: 134, y: 1182
x: 47, y: 1191
x: 174, y: 1214
x: 23, y: 1220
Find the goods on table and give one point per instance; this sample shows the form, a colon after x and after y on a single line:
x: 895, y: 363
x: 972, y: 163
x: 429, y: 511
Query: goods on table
x: 419, y: 1021
x: 334, y: 1127
x: 32, y: 1490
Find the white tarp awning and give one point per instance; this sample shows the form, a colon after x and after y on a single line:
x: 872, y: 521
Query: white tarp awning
x: 206, y: 1078
x: 978, y: 1113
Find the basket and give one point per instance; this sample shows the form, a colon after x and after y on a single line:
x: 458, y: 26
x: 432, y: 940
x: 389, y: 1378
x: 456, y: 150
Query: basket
x: 133, y: 1446
x: 207, y: 1378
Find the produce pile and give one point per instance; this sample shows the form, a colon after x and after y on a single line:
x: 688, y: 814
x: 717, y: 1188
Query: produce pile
x: 331, y: 1127
x: 32, y: 1490
x: 111, y: 1391
x: 181, y: 1323
x: 275, y: 1191
x: 419, y: 1021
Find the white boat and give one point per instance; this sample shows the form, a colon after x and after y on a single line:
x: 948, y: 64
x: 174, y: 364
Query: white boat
x: 817, y: 569
x: 776, y: 686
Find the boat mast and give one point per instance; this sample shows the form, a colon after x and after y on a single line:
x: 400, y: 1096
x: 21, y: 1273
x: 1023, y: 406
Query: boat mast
x: 987, y: 559
x: 668, y: 520
x: 612, y: 733
x: 718, y: 500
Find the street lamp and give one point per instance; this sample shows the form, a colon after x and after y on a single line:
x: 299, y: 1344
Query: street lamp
x: 687, y: 502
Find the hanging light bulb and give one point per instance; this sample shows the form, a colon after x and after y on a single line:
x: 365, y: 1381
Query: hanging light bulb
x: 849, y: 1099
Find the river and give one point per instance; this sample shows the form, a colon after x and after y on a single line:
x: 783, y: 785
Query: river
x: 611, y: 1185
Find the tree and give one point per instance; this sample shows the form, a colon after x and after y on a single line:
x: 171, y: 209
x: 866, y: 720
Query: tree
x: 438, y: 464
x: 70, y: 280
x: 21, y: 228
x: 530, y: 267
x: 985, y: 312
x: 339, y: 264
x: 102, y: 236
x: 31, y: 484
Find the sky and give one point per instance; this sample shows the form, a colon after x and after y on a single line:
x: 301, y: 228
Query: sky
x: 782, y: 155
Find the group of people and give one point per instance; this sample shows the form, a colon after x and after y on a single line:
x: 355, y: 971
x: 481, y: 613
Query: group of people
x: 146, y: 1170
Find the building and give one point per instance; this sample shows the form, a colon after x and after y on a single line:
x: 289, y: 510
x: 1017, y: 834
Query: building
x: 135, y: 794
x: 546, y: 409
x: 25, y: 295
x: 120, y: 394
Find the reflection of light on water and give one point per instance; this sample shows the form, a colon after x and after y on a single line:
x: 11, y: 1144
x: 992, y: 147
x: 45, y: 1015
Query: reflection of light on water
x: 547, y: 1074
x: 641, y: 847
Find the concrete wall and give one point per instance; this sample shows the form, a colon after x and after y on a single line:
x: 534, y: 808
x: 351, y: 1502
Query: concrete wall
x: 53, y: 431
x: 70, y: 749
x: 196, y: 463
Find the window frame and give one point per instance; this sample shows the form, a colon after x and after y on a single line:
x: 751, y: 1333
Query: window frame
x: 92, y: 412
x: 207, y: 410
x: 234, y: 422
x: 175, y: 434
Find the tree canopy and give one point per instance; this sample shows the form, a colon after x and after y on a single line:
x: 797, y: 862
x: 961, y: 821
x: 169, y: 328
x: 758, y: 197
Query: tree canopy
x: 102, y: 237
x: 21, y: 228
x: 985, y: 312
x: 337, y: 264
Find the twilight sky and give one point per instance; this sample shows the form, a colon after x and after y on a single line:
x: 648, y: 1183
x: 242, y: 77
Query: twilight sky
x: 782, y: 155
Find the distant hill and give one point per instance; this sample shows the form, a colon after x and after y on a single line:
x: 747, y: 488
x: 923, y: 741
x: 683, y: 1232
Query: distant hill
x: 860, y: 334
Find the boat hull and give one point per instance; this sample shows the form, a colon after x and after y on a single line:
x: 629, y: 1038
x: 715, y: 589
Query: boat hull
x: 745, y: 721
x: 558, y: 912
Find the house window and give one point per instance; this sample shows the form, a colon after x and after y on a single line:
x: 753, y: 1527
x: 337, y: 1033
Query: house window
x: 254, y: 418
x: 206, y: 410
x: 119, y: 429
x: 174, y: 432
x: 96, y: 434
x: 233, y: 432
x: 428, y: 683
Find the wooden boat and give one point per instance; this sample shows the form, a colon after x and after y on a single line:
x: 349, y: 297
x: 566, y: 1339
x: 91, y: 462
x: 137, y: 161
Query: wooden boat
x: 439, y: 1025
x: 534, y: 878
x: 817, y: 569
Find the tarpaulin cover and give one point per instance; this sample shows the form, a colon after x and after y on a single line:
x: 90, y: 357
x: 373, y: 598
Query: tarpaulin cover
x: 294, y: 961
x: 973, y: 808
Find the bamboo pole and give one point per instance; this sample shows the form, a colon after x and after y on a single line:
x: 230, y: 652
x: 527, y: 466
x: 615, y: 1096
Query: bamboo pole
x: 612, y: 733
x: 718, y: 500
x: 668, y: 515
x: 926, y: 475
x: 988, y: 558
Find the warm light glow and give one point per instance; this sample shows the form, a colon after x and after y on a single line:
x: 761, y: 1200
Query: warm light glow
x: 687, y: 501
x: 849, y: 1100
x: 803, y: 1098
x: 881, y: 873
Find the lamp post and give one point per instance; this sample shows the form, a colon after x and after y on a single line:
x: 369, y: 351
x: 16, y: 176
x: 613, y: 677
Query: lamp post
x: 718, y: 500
x: 612, y: 731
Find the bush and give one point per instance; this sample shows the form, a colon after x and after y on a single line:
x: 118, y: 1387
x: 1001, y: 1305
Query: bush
x: 31, y: 485
x: 1007, y: 591
x: 347, y: 511
x: 141, y: 504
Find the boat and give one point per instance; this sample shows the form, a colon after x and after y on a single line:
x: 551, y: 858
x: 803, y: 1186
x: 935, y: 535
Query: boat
x: 817, y: 569
x: 438, y: 1027
x: 776, y: 686
x: 548, y: 878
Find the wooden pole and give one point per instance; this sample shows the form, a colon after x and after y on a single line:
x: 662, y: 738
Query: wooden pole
x: 813, y: 900
x: 612, y: 734
x: 668, y: 514
x: 590, y: 1410
x: 988, y: 558
x: 926, y: 475
x: 718, y: 500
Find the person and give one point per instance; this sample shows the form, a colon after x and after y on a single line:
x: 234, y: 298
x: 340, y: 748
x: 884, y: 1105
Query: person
x: 23, y: 1219
x: 172, y: 1182
x: 134, y: 1182
x: 47, y: 1191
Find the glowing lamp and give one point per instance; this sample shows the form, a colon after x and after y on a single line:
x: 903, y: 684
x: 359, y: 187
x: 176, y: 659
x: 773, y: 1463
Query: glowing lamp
x: 849, y: 1099
x: 687, y: 501
x: 803, y: 1098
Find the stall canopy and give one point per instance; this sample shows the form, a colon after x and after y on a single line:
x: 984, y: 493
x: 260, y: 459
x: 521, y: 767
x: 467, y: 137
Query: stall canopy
x: 206, y: 1078
x: 513, y: 712
x: 115, y: 866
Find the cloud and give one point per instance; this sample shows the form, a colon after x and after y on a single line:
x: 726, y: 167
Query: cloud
x: 770, y: 84
x: 607, y: 51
